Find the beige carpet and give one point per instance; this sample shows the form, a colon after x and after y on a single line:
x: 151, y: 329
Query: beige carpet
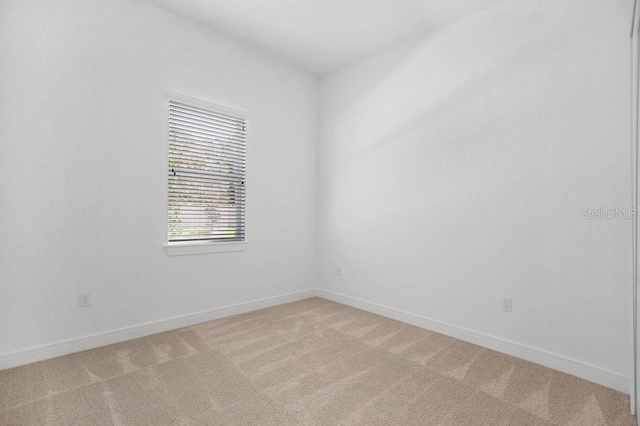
x: 312, y: 362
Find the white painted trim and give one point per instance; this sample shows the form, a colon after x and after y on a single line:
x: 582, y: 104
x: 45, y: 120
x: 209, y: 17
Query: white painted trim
x: 52, y: 350
x: 180, y: 249
x: 557, y: 362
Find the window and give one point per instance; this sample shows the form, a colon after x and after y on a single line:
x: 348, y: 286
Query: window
x: 206, y: 173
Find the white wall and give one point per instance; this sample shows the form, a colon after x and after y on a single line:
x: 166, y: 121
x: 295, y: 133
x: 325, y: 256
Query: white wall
x: 83, y: 169
x: 453, y: 170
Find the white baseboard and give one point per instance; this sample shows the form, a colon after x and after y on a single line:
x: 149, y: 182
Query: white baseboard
x: 547, y: 359
x: 52, y: 350
x: 557, y: 362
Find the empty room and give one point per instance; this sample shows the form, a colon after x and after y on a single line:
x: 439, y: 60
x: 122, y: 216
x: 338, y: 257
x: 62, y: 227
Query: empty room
x: 319, y: 212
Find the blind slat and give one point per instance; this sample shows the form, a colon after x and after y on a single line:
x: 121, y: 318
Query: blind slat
x: 202, y: 192
x: 216, y: 128
x: 207, y: 151
x: 181, y: 177
x: 234, y: 140
x: 207, y: 137
x: 178, y: 141
x: 202, y: 113
x: 232, y: 123
x: 189, y: 150
x: 208, y: 163
x: 199, y: 232
x: 186, y: 169
x: 179, y: 210
x: 185, y: 239
x: 221, y: 191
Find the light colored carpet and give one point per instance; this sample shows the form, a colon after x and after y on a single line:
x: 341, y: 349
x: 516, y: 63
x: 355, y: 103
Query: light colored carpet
x: 312, y: 362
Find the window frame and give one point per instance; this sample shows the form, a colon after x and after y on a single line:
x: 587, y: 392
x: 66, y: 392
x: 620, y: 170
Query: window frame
x: 177, y: 248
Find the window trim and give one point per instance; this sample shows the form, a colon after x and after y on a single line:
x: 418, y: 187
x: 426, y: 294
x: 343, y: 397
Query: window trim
x: 200, y: 247
x: 181, y: 249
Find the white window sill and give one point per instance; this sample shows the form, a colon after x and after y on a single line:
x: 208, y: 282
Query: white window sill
x: 183, y: 249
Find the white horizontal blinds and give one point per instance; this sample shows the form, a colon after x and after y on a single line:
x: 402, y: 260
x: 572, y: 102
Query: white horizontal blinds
x: 206, y: 175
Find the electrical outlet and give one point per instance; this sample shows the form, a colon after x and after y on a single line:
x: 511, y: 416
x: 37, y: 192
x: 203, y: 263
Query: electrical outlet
x: 507, y: 304
x: 84, y: 300
x: 339, y: 271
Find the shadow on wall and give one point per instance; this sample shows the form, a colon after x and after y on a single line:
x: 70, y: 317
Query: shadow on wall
x: 426, y: 92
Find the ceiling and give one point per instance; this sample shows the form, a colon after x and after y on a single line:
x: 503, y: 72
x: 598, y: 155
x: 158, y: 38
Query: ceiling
x: 321, y: 35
